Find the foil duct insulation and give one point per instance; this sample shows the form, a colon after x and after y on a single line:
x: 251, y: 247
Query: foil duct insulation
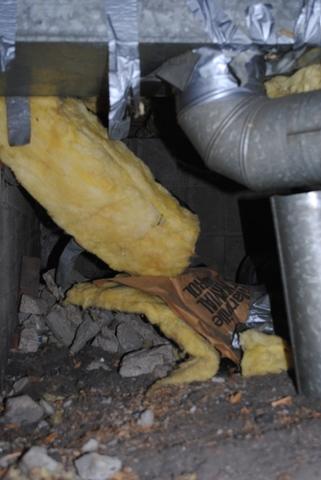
x: 8, y: 29
x: 223, y: 108
x: 124, y: 64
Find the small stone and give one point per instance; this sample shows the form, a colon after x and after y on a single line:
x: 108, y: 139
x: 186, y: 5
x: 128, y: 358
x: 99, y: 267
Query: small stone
x: 86, y: 332
x: 33, y: 305
x: 37, y: 458
x: 74, y: 314
x: 22, y: 317
x: 9, y: 459
x: 193, y: 409
x: 146, y: 418
x: 217, y: 379
x: 128, y: 338
x: 49, y: 279
x: 19, y: 386
x: 29, y: 340
x: 37, y: 322
x: 48, y: 409
x: 103, y: 317
x: 107, y: 341
x: 146, y: 361
x: 96, y: 365
x: 61, y: 327
x: 23, y: 410
x: 92, y: 466
x: 48, y: 297
x: 147, y: 332
x: 90, y: 446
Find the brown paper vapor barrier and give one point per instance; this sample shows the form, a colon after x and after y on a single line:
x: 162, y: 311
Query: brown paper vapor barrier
x: 213, y: 307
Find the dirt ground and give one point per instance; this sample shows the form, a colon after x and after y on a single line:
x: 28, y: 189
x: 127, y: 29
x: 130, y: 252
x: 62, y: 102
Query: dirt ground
x: 225, y: 429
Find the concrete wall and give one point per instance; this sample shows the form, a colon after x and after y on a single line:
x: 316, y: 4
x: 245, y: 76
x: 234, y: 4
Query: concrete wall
x: 19, y: 235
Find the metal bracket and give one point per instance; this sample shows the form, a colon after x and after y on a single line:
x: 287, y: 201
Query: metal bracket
x: 18, y: 120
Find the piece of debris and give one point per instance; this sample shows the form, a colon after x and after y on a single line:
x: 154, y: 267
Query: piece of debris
x: 37, y: 458
x: 29, y: 340
x: 34, y: 305
x: 49, y: 279
x: 48, y: 409
x: 23, y: 410
x: 90, y: 446
x: 282, y: 402
x: 9, y: 459
x: 128, y: 338
x: 98, y: 364
x: 86, y: 332
x: 146, y: 332
x: 35, y: 321
x: 92, y: 466
x: 103, y: 317
x: 19, y: 386
x: 235, y: 398
x: 146, y: 361
x: 107, y: 341
x: 61, y: 327
x: 146, y: 418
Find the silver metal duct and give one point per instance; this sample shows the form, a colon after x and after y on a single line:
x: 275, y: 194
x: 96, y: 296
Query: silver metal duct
x: 297, y: 221
x: 266, y: 145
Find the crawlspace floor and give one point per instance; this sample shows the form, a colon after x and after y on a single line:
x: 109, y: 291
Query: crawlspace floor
x: 225, y: 429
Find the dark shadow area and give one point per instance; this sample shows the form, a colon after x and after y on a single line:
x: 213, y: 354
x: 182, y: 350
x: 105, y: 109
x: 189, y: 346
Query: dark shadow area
x: 262, y: 262
x: 164, y: 116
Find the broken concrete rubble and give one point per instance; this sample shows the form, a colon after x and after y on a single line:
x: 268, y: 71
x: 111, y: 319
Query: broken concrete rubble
x: 37, y: 458
x: 37, y: 306
x: 23, y: 410
x: 92, y: 466
x: 29, y: 340
x: 107, y: 341
x: 86, y: 332
x: 128, y: 338
x: 158, y: 360
x: 62, y: 328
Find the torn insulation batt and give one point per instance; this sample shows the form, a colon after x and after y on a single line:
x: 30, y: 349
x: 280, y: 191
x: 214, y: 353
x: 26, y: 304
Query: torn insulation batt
x: 306, y: 79
x: 99, y: 191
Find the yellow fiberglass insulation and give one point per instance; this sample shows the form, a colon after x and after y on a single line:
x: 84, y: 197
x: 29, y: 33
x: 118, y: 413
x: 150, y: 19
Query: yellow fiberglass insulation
x: 99, y: 191
x: 204, y: 361
x: 304, y: 80
x: 263, y: 354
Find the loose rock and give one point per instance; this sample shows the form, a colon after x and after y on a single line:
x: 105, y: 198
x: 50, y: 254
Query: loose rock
x: 107, y: 341
x: 86, y: 332
x: 62, y: 328
x: 90, y: 446
x: 103, y: 317
x: 37, y: 322
x: 96, y: 365
x: 23, y: 410
x: 19, y: 386
x: 29, y: 340
x: 48, y: 409
x: 92, y: 466
x: 147, y: 332
x: 36, y: 458
x: 128, y: 338
x: 33, y: 305
x: 49, y: 278
x: 146, y: 361
x: 146, y: 418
